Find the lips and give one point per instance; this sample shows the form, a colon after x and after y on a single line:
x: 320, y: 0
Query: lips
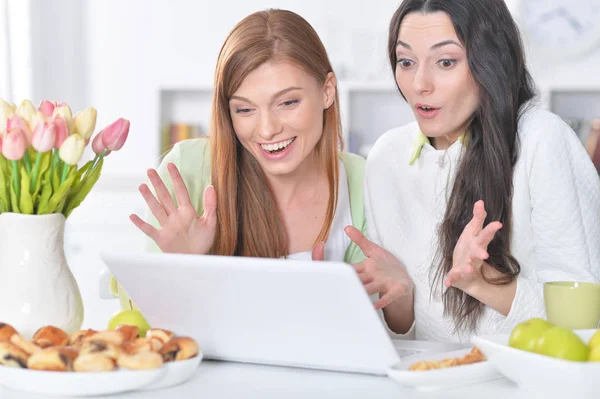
x: 279, y: 150
x: 279, y: 146
x: 427, y: 111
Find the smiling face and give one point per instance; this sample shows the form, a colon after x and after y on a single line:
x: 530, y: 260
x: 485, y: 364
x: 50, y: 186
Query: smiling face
x: 433, y: 74
x: 277, y: 115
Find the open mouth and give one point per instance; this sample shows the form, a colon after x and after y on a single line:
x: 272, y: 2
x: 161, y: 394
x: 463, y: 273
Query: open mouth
x: 276, y: 148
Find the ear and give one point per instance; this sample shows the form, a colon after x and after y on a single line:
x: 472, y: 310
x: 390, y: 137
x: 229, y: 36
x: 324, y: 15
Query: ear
x: 329, y: 90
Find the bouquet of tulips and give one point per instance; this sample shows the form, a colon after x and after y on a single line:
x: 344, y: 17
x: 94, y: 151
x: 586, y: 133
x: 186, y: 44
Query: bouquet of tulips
x: 40, y: 150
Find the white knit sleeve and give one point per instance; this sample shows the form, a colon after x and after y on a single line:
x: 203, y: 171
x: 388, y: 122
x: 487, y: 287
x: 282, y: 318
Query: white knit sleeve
x: 565, y: 217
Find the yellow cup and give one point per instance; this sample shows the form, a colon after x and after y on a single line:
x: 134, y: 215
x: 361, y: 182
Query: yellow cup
x: 571, y: 304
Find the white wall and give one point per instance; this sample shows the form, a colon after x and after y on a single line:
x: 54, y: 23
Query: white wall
x: 136, y: 47
x: 116, y: 55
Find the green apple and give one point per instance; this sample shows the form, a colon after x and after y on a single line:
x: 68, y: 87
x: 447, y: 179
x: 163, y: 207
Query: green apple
x: 594, y: 342
x: 594, y: 355
x: 525, y: 335
x: 131, y: 318
x: 562, y: 343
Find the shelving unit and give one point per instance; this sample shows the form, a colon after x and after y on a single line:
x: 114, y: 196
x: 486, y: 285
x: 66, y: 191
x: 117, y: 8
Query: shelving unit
x: 184, y: 113
x: 368, y: 109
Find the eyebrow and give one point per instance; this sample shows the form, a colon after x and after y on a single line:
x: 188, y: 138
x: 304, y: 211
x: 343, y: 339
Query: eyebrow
x: 434, y: 47
x: 279, y: 93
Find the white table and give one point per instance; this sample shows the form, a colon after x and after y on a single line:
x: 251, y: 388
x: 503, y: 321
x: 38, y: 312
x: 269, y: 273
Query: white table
x: 216, y: 380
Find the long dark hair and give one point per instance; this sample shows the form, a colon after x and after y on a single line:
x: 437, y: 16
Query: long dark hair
x: 497, y: 62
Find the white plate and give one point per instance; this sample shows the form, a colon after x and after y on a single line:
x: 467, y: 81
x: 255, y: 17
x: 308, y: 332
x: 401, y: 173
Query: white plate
x: 176, y: 373
x: 101, y: 383
x: 442, y: 378
x: 541, y: 373
x: 76, y: 384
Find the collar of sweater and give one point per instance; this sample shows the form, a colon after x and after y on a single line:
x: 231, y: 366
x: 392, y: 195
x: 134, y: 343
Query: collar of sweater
x: 420, y: 141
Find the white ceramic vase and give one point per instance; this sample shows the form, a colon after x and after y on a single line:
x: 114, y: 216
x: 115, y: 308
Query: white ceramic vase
x: 37, y: 287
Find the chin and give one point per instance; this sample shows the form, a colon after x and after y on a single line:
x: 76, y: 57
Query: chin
x: 281, y: 169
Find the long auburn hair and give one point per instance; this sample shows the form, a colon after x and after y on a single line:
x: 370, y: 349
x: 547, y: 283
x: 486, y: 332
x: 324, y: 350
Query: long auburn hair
x: 248, y: 220
x: 497, y: 62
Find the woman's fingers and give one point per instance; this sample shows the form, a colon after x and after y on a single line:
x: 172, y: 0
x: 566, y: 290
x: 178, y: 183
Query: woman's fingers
x: 210, y: 206
x: 367, y: 247
x: 318, y: 252
x: 365, y: 278
x: 161, y: 192
x: 487, y: 234
x: 375, y: 287
x: 384, y: 301
x: 146, y: 228
x: 155, y: 207
x: 179, y: 187
x: 479, y: 215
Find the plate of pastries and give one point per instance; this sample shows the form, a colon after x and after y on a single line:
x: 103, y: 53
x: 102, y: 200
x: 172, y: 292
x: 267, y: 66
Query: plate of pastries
x: 443, y: 370
x: 90, y: 362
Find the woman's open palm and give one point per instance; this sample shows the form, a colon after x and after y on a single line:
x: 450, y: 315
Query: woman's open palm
x: 182, y: 229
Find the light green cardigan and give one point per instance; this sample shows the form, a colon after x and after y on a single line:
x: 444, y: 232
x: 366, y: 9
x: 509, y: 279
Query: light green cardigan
x: 193, y: 160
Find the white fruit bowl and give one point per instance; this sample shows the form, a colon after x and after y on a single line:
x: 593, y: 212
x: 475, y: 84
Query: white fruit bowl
x: 539, y: 373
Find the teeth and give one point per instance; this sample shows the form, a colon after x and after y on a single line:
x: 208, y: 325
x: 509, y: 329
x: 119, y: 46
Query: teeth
x: 277, y: 146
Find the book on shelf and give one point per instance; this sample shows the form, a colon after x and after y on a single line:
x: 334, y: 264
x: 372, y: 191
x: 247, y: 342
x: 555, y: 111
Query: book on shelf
x: 172, y: 133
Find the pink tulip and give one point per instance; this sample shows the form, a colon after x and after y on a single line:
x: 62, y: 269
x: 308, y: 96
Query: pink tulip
x: 14, y: 144
x: 44, y: 136
x: 98, y: 146
x: 115, y: 134
x: 17, y: 121
x: 47, y: 108
x: 62, y: 130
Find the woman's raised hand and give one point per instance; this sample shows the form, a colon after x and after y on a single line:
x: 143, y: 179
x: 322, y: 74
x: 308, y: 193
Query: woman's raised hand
x: 381, y: 273
x: 182, y: 229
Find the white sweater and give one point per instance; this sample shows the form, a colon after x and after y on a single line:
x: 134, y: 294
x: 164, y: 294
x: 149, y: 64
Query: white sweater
x: 556, y: 216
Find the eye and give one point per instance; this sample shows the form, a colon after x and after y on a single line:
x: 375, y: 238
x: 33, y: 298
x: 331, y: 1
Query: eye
x: 447, y: 63
x: 243, y: 110
x: 405, y: 63
x: 290, y: 103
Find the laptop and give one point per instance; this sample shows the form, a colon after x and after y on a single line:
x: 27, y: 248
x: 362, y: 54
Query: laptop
x: 292, y: 313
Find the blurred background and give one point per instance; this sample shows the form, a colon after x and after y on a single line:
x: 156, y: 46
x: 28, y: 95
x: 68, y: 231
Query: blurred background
x: 152, y: 62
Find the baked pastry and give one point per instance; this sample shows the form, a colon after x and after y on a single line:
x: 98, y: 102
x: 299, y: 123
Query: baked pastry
x: 472, y: 357
x: 76, y: 339
x: 92, y: 346
x: 12, y: 356
x: 50, y: 336
x: 142, y: 345
x: 111, y: 336
x: 162, y: 335
x: 130, y: 333
x: 6, y: 331
x: 149, y: 344
x: 26, y: 346
x: 94, y: 362
x: 140, y: 361
x: 180, y: 348
x: 54, y: 358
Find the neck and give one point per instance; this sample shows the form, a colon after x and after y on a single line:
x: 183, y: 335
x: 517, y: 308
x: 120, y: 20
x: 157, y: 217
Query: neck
x: 444, y: 142
x: 304, y: 184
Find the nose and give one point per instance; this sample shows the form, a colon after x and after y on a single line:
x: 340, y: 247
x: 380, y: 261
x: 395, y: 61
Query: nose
x: 422, y: 82
x: 269, y: 126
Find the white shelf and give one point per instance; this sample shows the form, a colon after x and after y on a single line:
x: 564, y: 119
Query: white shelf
x: 370, y: 108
